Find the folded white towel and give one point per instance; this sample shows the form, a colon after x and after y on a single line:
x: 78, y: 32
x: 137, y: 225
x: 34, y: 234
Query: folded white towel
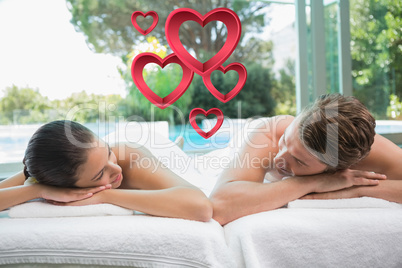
x: 116, y: 241
x: 361, y: 202
x: 360, y: 237
x: 40, y: 209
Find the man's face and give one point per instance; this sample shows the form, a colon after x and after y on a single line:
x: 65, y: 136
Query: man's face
x: 293, y: 158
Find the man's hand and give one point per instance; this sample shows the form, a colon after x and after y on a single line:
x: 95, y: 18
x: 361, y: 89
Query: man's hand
x: 345, y: 179
x: 351, y: 192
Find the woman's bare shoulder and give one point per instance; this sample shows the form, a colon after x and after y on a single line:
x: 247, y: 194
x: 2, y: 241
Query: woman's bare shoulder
x: 127, y: 149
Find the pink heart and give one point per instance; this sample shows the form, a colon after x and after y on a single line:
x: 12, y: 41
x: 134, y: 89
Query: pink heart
x: 137, y: 67
x: 153, y: 14
x: 240, y: 69
x: 225, y: 15
x: 196, y: 111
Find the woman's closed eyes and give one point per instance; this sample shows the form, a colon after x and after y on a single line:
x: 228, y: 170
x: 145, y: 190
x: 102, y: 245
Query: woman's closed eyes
x: 100, y: 174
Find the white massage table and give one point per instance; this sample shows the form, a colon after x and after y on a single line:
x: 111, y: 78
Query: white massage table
x: 135, y: 241
x: 286, y: 237
x: 363, y: 232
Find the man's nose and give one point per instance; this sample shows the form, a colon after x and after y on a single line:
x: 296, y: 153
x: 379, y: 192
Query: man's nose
x: 282, y: 154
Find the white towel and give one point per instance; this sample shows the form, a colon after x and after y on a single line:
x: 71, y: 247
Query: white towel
x: 360, y: 237
x: 129, y: 241
x: 361, y: 202
x: 40, y: 209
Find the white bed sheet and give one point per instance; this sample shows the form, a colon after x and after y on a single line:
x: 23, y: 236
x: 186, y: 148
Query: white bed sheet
x: 136, y: 241
x: 301, y: 236
x: 308, y: 237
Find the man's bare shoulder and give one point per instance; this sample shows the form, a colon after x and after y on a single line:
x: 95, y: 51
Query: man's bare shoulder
x: 261, y: 137
x: 272, y: 127
x: 257, y: 150
x: 385, y: 157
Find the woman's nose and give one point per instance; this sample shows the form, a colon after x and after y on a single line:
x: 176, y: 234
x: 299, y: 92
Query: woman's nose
x: 115, y: 169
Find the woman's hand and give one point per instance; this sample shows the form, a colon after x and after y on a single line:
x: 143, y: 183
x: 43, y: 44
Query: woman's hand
x: 345, y: 179
x: 92, y: 200
x: 57, y: 194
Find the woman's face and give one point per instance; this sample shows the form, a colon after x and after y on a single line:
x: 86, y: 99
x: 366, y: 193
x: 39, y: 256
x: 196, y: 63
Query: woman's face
x: 101, y: 168
x: 293, y: 158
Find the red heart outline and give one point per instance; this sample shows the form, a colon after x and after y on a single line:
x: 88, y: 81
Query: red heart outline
x: 237, y: 67
x: 177, y: 17
x: 196, y: 111
x: 143, y: 59
x: 153, y: 14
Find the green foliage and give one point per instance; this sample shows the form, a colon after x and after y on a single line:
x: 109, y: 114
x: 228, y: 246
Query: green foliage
x: 284, y: 93
x: 376, y: 33
x: 394, y: 110
x: 331, y: 44
x: 27, y: 106
x: 23, y: 99
x: 253, y: 100
x: 16, y: 104
x: 162, y: 82
x: 108, y: 29
x: 88, y: 108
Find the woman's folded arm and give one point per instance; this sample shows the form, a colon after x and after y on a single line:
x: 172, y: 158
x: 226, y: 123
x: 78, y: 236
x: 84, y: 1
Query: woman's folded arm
x: 15, y: 195
x: 175, y: 202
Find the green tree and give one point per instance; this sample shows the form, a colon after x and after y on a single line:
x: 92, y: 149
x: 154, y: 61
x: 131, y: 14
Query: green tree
x: 284, y: 93
x: 162, y: 82
x: 27, y: 105
x: 376, y: 33
x: 107, y: 26
x: 253, y: 100
x: 89, y: 108
x: 23, y: 105
x: 108, y: 29
x: 331, y: 43
x: 394, y: 110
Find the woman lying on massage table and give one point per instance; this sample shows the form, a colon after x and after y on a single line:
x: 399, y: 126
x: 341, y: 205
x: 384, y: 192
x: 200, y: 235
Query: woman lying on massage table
x: 332, y: 138
x: 74, y: 167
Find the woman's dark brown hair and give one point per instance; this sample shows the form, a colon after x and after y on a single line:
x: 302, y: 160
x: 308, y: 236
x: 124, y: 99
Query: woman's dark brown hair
x: 338, y: 130
x: 55, y: 151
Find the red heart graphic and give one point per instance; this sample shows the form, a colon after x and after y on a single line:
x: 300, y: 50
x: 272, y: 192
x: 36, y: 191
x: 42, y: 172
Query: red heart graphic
x: 137, y: 67
x: 240, y: 69
x: 225, y: 15
x: 153, y: 14
x: 196, y: 111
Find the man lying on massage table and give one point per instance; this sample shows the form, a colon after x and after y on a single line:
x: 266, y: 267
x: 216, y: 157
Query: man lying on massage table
x: 324, y: 153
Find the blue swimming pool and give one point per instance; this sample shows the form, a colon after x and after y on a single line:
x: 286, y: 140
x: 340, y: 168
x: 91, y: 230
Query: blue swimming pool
x: 14, y: 138
x: 192, y: 140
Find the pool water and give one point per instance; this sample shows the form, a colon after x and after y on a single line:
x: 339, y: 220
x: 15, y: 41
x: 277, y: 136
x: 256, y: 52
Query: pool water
x: 14, y: 138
